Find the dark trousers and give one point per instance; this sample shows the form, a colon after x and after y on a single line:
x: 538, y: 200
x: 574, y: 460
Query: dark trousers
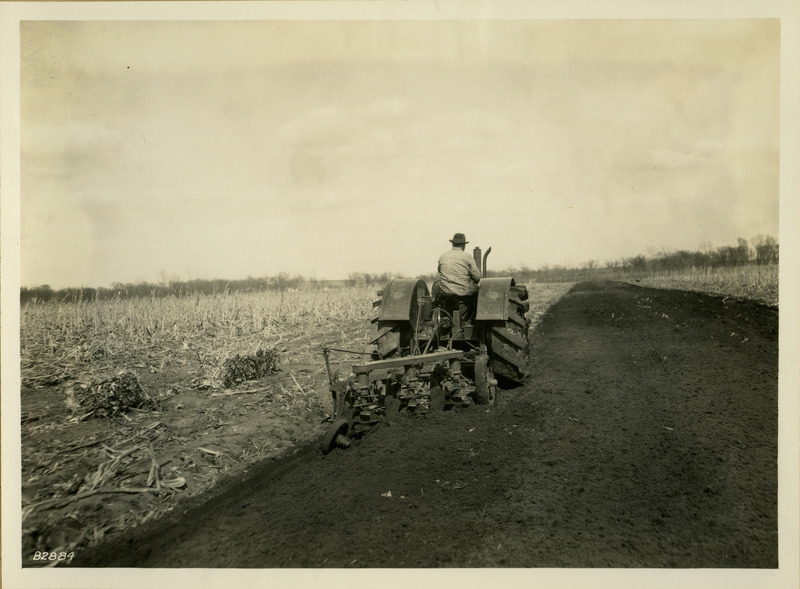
x: 466, y: 305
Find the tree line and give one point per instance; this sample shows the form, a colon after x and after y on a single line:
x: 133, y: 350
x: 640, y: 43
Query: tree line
x: 762, y: 249
x: 168, y: 287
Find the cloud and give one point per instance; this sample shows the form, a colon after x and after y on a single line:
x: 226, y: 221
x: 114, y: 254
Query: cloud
x: 82, y: 161
x: 704, y: 152
x: 387, y: 108
x: 477, y: 122
x: 323, y: 127
x: 397, y: 146
x: 672, y: 158
x: 72, y: 139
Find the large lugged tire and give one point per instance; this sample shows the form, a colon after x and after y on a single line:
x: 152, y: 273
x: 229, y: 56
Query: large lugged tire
x: 508, y: 342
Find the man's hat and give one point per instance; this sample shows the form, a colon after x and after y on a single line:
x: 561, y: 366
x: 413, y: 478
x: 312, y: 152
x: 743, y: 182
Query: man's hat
x: 459, y: 239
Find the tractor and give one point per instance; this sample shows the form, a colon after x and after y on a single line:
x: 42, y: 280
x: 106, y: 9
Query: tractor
x: 433, y: 351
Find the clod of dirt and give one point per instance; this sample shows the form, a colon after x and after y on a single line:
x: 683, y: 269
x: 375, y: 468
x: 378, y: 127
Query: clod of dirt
x: 115, y: 396
x: 250, y: 367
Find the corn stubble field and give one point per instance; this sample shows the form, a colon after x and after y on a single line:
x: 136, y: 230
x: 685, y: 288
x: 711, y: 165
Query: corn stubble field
x: 754, y: 282
x: 133, y: 408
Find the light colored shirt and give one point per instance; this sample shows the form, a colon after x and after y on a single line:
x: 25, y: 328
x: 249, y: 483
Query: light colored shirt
x: 458, y: 272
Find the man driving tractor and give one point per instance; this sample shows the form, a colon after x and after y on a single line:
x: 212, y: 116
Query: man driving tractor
x: 459, y: 277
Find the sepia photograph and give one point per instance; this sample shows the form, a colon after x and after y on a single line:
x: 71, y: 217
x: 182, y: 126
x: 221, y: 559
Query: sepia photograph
x: 432, y: 293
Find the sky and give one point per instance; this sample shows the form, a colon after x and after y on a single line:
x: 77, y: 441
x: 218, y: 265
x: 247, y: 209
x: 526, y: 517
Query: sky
x: 228, y: 149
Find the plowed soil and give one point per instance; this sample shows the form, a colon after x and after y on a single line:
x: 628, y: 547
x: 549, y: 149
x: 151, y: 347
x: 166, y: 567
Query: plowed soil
x: 646, y: 437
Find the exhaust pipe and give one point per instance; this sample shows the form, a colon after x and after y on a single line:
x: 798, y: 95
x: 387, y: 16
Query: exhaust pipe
x: 481, y: 262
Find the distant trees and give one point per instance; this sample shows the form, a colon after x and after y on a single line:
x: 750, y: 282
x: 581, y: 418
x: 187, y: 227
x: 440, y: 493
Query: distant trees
x: 733, y: 255
x: 167, y: 286
x: 636, y: 263
x: 366, y: 279
x: 41, y: 293
x: 761, y: 249
x: 171, y: 285
x: 766, y: 248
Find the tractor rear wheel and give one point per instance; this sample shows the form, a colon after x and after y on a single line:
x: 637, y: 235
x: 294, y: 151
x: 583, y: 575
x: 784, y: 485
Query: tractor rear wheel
x: 508, y: 341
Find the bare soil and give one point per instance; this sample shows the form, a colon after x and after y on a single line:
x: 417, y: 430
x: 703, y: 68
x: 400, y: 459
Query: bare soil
x: 646, y: 437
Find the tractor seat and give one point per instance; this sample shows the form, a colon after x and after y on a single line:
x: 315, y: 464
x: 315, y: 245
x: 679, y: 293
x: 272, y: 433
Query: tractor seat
x: 465, y: 304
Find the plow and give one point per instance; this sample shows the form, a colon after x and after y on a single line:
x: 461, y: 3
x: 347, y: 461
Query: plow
x: 432, y: 352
